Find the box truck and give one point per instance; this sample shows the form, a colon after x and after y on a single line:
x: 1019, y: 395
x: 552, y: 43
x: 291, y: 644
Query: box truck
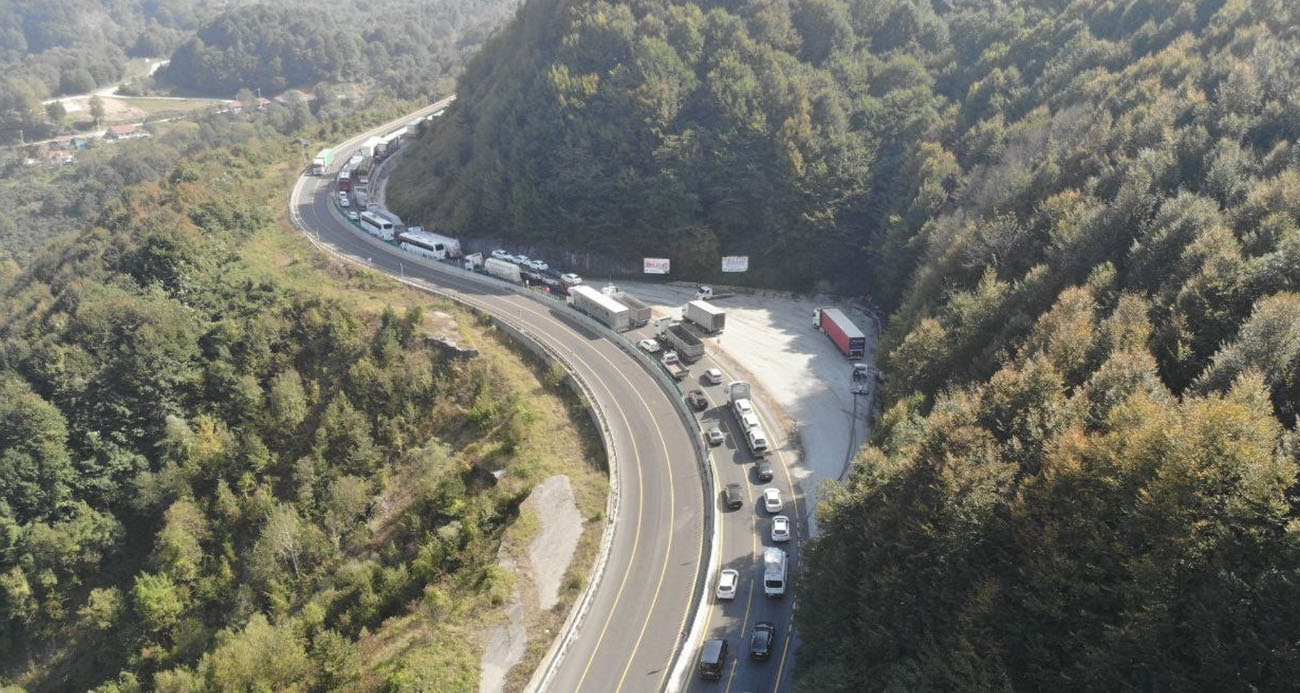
x: 324, y: 158
x: 599, y: 306
x: 708, y: 317
x: 638, y: 312
x: 501, y: 269
x: 847, y: 337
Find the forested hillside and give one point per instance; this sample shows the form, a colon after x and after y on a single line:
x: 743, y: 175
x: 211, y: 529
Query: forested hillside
x: 52, y: 47
x: 212, y: 478
x: 408, y: 47
x: 1084, y: 218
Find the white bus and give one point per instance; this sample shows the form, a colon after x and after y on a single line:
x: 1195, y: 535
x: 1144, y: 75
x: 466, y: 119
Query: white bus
x: 421, y: 242
x: 377, y: 225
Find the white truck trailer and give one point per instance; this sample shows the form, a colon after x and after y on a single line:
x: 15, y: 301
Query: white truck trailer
x: 742, y: 406
x: 599, y: 306
x: 638, y: 311
x: 501, y: 269
x: 707, y: 316
x: 775, y: 568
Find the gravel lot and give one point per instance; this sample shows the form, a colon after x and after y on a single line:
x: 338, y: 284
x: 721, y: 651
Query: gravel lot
x: 799, y: 373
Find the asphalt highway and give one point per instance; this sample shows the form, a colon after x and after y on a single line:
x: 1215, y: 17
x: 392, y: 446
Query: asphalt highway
x: 743, y: 535
x: 640, y: 611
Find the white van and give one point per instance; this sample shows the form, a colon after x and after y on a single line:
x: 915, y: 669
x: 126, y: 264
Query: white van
x: 774, y: 572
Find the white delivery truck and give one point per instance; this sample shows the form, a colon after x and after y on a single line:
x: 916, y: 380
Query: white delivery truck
x: 501, y: 269
x: 638, y: 311
x: 710, y: 318
x: 474, y: 262
x: 774, y: 572
x: 599, y: 306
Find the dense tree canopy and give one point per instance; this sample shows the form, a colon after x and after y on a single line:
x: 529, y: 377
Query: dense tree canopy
x: 1083, y: 219
x: 213, y: 481
x: 407, y: 47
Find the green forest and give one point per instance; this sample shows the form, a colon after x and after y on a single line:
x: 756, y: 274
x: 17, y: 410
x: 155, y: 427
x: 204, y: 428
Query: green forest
x: 407, y: 47
x: 218, y: 474
x: 1083, y: 220
x: 53, y: 47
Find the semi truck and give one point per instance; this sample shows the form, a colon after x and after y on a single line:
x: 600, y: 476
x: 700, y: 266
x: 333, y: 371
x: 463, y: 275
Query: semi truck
x: 683, y: 340
x: 638, y: 312
x: 775, y: 566
x: 846, y: 336
x: 708, y: 317
x: 501, y: 269
x: 739, y: 394
x: 673, y: 364
x: 320, y: 164
x: 587, y: 300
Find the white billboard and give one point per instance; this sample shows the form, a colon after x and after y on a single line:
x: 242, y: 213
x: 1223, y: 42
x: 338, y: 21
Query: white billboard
x: 735, y: 263
x: 655, y: 265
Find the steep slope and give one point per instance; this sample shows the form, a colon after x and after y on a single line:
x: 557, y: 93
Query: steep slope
x: 687, y: 131
x: 1083, y: 218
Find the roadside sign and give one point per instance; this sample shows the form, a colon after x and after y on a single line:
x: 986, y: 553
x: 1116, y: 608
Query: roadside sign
x: 735, y: 263
x: 655, y: 265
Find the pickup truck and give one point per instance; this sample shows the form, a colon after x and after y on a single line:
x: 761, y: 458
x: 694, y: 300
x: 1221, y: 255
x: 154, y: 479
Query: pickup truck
x: 674, y: 366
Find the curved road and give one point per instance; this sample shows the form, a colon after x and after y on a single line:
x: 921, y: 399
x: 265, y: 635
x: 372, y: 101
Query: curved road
x: 638, y: 614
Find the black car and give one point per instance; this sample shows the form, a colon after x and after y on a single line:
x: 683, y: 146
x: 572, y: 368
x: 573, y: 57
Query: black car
x: 731, y: 494
x: 761, y: 640
x: 697, y: 399
x: 713, y: 659
x: 763, y: 470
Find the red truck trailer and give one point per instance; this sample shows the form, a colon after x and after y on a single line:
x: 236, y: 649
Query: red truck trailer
x: 850, y: 340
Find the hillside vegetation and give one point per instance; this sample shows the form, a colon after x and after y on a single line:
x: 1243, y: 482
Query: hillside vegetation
x: 217, y: 476
x: 407, y: 47
x: 1084, y: 219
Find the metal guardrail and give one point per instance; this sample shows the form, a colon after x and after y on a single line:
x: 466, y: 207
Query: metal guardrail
x: 669, y: 386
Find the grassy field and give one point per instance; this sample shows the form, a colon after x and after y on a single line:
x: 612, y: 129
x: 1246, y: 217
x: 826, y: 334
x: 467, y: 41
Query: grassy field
x: 442, y: 652
x: 154, y: 106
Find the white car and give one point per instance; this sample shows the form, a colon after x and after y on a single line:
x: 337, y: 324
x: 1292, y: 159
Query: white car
x: 519, y: 260
x: 772, y: 500
x: 500, y: 254
x: 743, y: 407
x: 571, y: 279
x: 650, y: 345
x: 780, y: 528
x: 537, y: 265
x: 353, y: 215
x: 727, y: 581
x: 714, y: 376
x: 343, y: 202
x: 748, y: 421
